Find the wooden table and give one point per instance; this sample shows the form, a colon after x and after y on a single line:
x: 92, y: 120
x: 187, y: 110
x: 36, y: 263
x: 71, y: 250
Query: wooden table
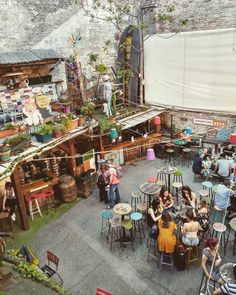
x: 150, y: 189
x: 168, y: 170
x: 122, y: 209
x: 227, y: 273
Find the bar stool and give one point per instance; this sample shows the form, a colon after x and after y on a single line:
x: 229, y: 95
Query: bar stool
x: 161, y: 178
x: 33, y: 206
x: 203, y: 194
x: 137, y: 219
x: 152, y: 179
x: 176, y: 187
x: 192, y: 255
x: 207, y: 185
x: 220, y: 228
x: 136, y: 199
x: 126, y: 227
x: 106, y: 216
x: 114, y: 232
x: 164, y: 257
x: 186, y: 157
x: 170, y: 156
x: 142, y: 208
x: 48, y: 196
x: 178, y: 177
x: 152, y: 247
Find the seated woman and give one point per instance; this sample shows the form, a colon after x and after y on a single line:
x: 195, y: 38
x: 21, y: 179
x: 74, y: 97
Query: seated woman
x: 166, y: 200
x: 167, y: 233
x: 190, y: 230
x: 154, y: 213
x: 189, y: 197
x: 210, y: 251
x: 203, y: 207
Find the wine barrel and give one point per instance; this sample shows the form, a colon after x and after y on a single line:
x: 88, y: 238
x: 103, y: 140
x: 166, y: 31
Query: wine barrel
x: 68, y: 188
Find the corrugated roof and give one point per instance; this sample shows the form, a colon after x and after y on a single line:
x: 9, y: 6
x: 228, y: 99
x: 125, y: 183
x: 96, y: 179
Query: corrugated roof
x: 27, y: 56
x: 139, y: 118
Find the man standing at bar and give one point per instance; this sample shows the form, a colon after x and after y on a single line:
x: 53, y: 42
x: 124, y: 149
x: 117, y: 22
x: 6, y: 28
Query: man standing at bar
x: 114, y: 190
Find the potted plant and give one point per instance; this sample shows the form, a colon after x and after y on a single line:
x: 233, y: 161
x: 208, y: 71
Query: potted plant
x: 18, y: 142
x: 44, y: 133
x: 87, y: 111
x: 75, y: 120
x: 8, y: 130
x: 66, y: 122
x: 5, y: 153
x: 58, y: 130
x: 104, y: 125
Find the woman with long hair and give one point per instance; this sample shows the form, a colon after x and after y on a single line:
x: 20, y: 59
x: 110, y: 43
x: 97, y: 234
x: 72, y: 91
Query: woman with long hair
x: 167, y: 233
x: 190, y: 230
x: 154, y: 213
x: 166, y: 200
x: 210, y: 253
x: 189, y: 197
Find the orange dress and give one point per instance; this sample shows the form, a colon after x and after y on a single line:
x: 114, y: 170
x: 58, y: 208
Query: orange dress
x: 166, y: 240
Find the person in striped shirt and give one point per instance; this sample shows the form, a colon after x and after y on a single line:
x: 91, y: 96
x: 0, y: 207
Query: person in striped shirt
x: 226, y: 289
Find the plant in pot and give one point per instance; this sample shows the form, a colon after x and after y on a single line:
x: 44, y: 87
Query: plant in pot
x: 87, y: 111
x: 18, y: 142
x: 75, y: 120
x: 58, y: 130
x: 66, y: 122
x: 8, y: 130
x: 104, y: 125
x: 44, y: 132
x: 5, y: 153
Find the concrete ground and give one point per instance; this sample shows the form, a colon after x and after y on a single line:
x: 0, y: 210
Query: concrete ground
x: 86, y: 261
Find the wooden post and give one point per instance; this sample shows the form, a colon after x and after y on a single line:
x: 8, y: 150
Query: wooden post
x: 101, y: 146
x: 20, y: 200
x: 74, y: 39
x: 72, y: 160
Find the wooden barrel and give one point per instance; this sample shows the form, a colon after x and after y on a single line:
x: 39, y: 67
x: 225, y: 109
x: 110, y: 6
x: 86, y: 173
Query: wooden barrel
x: 68, y: 188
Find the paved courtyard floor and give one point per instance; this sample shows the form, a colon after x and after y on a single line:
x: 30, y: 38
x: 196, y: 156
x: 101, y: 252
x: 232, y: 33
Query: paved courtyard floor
x: 86, y: 261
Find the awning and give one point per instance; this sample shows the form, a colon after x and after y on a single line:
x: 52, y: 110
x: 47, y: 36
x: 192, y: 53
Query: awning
x: 139, y: 118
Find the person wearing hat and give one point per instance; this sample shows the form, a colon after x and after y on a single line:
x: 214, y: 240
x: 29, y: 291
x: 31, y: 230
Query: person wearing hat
x: 107, y: 94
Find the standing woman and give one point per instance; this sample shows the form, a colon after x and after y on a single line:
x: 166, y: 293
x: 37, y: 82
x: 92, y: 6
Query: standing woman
x: 210, y: 251
x: 9, y: 200
x: 102, y: 182
x: 189, y: 197
x: 166, y: 200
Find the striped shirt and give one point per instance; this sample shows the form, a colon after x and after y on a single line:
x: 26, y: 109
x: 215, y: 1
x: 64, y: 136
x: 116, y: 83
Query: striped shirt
x: 228, y: 288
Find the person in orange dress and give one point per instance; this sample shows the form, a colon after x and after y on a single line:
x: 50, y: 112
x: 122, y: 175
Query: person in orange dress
x: 167, y: 233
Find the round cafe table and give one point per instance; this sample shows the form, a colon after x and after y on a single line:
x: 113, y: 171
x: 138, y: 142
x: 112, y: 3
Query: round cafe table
x: 169, y: 170
x: 150, y: 189
x: 227, y: 272
x: 232, y: 225
x: 122, y: 209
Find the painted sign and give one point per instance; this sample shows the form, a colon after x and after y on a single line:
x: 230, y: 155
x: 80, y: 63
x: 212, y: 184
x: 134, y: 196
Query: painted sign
x: 42, y: 101
x: 207, y: 122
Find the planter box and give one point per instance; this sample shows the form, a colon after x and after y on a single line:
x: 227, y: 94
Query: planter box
x: 5, y: 156
x: 8, y: 132
x: 73, y: 125
x: 43, y: 138
x: 20, y: 146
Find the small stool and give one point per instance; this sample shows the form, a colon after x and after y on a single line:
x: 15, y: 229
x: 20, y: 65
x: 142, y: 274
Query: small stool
x: 203, y: 193
x: 136, y: 199
x: 220, y: 228
x: 137, y: 219
x: 176, y: 186
x: 152, y: 179
x: 126, y: 227
x: 114, y: 232
x: 170, y: 157
x: 186, y: 157
x: 192, y: 255
x: 164, y: 257
x: 106, y: 216
x: 152, y: 247
x: 33, y: 206
x: 178, y: 177
x: 142, y: 208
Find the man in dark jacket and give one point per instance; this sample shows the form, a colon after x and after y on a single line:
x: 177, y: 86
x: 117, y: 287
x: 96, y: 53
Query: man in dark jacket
x: 197, y: 164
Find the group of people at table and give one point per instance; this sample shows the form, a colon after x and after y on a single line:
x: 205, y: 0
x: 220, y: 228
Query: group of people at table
x: 218, y: 162
x: 162, y: 219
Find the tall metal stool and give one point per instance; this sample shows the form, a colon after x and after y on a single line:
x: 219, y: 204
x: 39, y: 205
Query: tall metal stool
x: 207, y: 185
x: 170, y: 156
x: 152, y: 247
x: 166, y: 259
x: 176, y: 187
x: 114, y: 232
x: 106, y: 216
x: 126, y: 226
x: 137, y: 219
x: 186, y: 159
x: 178, y: 177
x: 135, y: 199
x: 220, y: 228
x: 161, y: 178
